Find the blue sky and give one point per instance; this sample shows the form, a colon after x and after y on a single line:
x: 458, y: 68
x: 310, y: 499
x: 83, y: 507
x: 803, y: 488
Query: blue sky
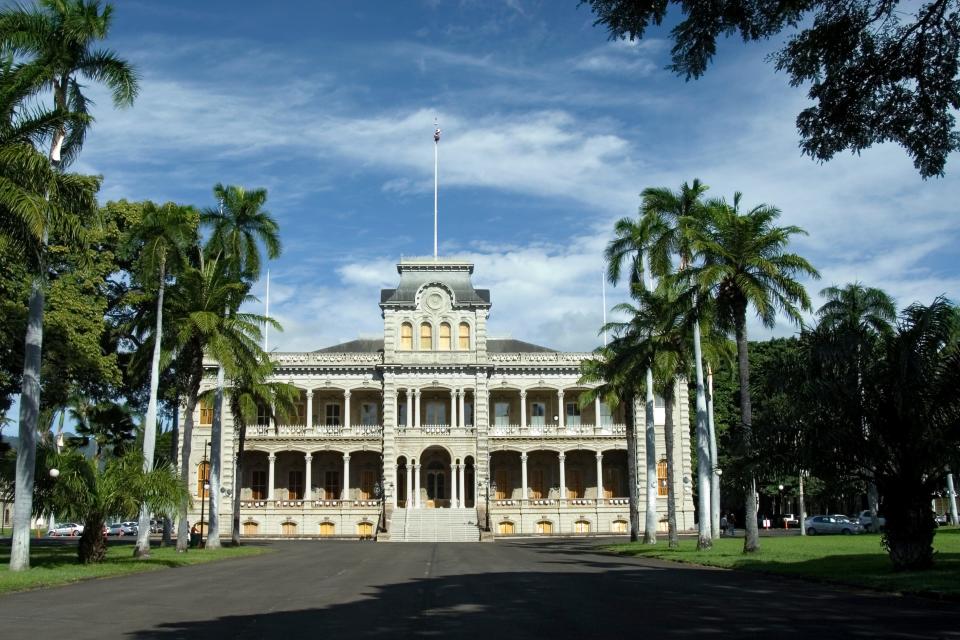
x: 550, y: 131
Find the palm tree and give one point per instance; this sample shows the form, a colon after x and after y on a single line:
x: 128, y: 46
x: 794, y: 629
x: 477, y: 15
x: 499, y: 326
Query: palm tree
x: 863, y: 315
x: 55, y: 40
x: 198, y: 329
x: 627, y: 246
x: 249, y: 392
x: 743, y: 264
x: 664, y: 229
x: 164, y: 236
x: 239, y: 225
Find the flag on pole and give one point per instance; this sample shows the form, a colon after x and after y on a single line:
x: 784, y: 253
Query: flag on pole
x: 436, y: 135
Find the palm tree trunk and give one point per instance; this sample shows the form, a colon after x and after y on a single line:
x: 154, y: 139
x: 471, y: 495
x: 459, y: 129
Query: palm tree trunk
x: 174, y: 445
x: 29, y: 416
x: 673, y: 538
x: 183, y: 527
x: 751, y: 541
x: 142, y: 547
x: 631, y: 434
x: 714, y: 462
x: 704, y: 532
x: 216, y: 438
x: 650, y: 523
x: 238, y: 476
x: 93, y: 544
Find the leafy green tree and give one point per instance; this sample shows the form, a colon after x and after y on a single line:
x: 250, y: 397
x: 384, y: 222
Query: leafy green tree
x: 55, y: 40
x: 238, y: 227
x: 743, y: 264
x: 165, y: 236
x: 877, y: 70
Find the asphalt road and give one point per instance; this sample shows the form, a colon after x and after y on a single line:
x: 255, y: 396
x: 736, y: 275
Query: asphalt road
x: 522, y: 589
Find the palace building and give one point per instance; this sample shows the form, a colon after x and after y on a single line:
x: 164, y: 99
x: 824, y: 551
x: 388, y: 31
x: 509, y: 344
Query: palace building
x: 437, y: 432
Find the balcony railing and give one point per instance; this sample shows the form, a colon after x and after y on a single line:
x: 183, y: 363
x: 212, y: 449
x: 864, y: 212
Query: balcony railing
x: 316, y: 431
x: 436, y: 430
x: 309, y: 504
x: 558, y: 502
x: 533, y: 431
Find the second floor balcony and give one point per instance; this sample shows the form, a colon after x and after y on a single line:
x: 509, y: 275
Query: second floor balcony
x: 608, y: 430
x: 319, y: 431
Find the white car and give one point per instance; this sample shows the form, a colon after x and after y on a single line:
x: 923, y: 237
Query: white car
x: 65, y: 529
x: 867, y: 522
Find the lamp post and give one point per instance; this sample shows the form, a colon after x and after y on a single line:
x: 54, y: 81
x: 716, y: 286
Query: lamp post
x: 490, y: 487
x: 203, y: 489
x: 780, y: 504
x: 803, y: 508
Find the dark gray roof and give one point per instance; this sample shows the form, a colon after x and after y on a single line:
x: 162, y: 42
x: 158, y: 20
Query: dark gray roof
x: 509, y: 345
x: 362, y: 345
x: 454, y: 275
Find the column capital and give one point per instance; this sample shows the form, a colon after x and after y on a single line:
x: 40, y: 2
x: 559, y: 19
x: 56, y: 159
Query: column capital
x: 562, y: 456
x: 271, y: 456
x: 309, y: 393
x: 599, y: 455
x: 346, y: 457
x: 523, y: 393
x: 308, y: 457
x: 416, y: 466
x: 560, y: 392
x: 523, y: 456
x: 346, y: 393
x: 416, y: 392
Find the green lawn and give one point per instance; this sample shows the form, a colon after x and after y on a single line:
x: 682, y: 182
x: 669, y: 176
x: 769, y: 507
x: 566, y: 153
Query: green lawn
x: 56, y: 565
x: 853, y: 560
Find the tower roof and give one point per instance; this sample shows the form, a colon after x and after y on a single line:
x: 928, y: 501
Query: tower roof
x: 452, y: 274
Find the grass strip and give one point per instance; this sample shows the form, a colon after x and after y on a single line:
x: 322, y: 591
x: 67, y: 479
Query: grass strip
x: 857, y: 560
x: 57, y: 565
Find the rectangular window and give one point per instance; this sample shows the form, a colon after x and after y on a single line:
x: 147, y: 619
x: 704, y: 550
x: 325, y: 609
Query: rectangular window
x: 662, y: 478
x: 402, y: 413
x: 575, y: 483
x: 606, y: 416
x: 332, y: 414
x: 367, y: 479
x: 538, y: 414
x: 295, y: 486
x: 573, y: 414
x: 301, y: 407
x: 436, y: 412
x: 658, y: 402
x: 537, y: 487
x: 331, y: 485
x: 263, y: 414
x: 468, y: 413
x: 503, y: 484
x: 258, y: 485
x: 501, y: 414
x: 368, y: 413
x: 206, y: 411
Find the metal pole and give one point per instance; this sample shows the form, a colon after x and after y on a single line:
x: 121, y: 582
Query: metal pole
x: 803, y: 508
x: 203, y: 490
x: 436, y: 181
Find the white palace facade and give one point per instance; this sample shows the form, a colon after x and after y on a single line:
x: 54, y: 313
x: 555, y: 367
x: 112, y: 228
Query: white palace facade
x: 437, y: 432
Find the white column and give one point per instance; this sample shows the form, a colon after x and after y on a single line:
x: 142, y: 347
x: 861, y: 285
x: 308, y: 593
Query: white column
x: 463, y: 414
x: 463, y: 487
x: 346, y: 477
x: 563, y: 476
x: 561, y: 412
x: 416, y: 482
x: 523, y: 475
x: 599, y: 475
x: 453, y: 408
x: 409, y: 408
x: 523, y: 409
x: 596, y: 413
x: 308, y: 480
x: 272, y: 459
x: 396, y: 487
x: 454, y: 502
x: 409, y: 503
x: 309, y: 409
x: 346, y: 410
x: 416, y: 409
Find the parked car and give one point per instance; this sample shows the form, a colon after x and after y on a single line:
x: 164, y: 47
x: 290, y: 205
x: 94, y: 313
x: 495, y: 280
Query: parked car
x: 867, y: 522
x: 790, y: 520
x: 65, y: 529
x: 816, y: 525
x: 121, y: 529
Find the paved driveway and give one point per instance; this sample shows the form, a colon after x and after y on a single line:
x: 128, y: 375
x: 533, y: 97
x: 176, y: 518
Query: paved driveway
x: 524, y: 589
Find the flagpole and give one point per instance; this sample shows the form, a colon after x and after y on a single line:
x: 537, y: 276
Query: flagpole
x: 266, y: 328
x: 436, y: 179
x: 603, y: 289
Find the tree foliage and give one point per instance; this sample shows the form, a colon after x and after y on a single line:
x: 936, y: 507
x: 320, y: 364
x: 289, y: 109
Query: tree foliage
x: 876, y: 70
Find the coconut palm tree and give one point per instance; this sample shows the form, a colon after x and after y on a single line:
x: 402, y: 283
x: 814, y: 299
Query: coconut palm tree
x: 199, y: 329
x: 863, y: 315
x: 239, y: 226
x: 743, y: 263
x: 164, y: 236
x: 55, y: 40
x: 248, y: 394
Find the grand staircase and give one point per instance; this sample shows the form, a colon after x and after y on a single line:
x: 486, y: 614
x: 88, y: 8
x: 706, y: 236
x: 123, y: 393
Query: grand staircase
x: 434, y: 525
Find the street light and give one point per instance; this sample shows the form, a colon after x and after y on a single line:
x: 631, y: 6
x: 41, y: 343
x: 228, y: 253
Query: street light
x: 491, y: 487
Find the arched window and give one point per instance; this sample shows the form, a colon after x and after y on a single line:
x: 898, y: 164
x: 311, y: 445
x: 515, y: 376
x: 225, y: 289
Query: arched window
x: 406, y: 336
x: 426, y: 337
x: 463, y: 342
x: 288, y: 528
x: 581, y: 526
x: 445, y: 338
x: 506, y: 528
x: 250, y: 528
x: 365, y: 529
x: 203, y: 477
x: 544, y: 527
x: 662, y: 478
x: 619, y: 526
x: 327, y: 529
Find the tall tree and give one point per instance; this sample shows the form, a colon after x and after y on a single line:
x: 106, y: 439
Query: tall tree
x: 55, y: 38
x: 862, y: 316
x: 666, y: 220
x: 876, y: 70
x: 165, y: 235
x: 742, y: 264
x: 239, y: 226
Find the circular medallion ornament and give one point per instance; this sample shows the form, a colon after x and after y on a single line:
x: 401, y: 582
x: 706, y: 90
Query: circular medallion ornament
x: 434, y: 301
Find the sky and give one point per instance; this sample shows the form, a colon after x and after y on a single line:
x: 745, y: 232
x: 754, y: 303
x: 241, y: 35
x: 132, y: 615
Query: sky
x: 550, y: 132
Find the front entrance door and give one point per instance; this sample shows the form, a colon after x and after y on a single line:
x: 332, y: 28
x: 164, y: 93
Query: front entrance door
x: 436, y: 486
